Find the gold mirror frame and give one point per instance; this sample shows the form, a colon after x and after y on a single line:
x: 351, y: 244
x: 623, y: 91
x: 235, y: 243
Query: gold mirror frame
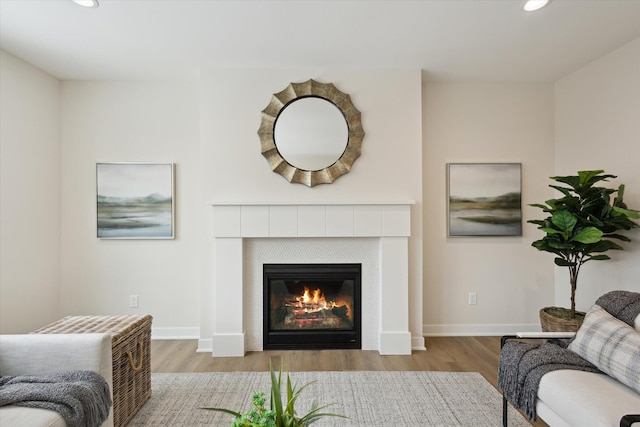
x: 297, y: 91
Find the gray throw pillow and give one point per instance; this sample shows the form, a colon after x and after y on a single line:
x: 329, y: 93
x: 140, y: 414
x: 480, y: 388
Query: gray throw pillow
x: 611, y: 345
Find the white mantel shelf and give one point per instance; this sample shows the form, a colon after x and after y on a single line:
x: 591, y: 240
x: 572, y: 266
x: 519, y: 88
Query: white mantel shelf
x: 312, y: 220
x: 313, y: 202
x: 388, y: 222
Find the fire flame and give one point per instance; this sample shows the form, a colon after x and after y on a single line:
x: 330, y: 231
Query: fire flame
x: 312, y: 302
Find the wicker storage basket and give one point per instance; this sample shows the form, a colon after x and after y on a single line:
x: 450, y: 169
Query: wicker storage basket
x: 131, y: 347
x: 551, y: 323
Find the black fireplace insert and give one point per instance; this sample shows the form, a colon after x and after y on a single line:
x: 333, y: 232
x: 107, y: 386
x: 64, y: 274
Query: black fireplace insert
x: 312, y: 306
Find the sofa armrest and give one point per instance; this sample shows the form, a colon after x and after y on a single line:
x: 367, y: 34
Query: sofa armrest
x: 545, y: 335
x: 629, y: 420
x: 529, y: 335
x: 537, y: 335
x: 38, y: 354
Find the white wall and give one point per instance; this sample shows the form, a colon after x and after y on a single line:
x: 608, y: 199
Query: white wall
x: 29, y: 196
x: 208, y: 128
x: 147, y: 121
x: 479, y: 122
x: 161, y: 121
x: 598, y: 127
x: 388, y: 170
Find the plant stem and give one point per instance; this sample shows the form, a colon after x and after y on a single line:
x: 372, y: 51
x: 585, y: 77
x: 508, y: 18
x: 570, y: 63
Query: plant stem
x: 573, y: 279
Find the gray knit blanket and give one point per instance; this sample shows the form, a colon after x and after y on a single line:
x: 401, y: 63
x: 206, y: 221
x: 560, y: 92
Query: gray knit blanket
x: 522, y: 365
x: 82, y: 398
x: 624, y: 305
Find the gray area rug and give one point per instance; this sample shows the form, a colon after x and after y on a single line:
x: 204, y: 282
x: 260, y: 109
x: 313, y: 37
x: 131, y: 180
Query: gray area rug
x: 380, y: 398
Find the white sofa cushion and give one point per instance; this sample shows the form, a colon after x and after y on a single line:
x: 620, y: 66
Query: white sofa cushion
x: 37, y: 354
x: 585, y: 399
x: 611, y: 345
x: 22, y: 416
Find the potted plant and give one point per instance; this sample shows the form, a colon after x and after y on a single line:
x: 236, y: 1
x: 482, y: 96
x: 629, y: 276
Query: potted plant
x: 581, y: 226
x: 280, y: 414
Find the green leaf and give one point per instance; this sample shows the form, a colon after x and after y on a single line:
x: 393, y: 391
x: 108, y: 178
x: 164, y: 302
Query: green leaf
x: 563, y: 262
x: 603, y: 246
x: 538, y: 205
x: 629, y: 213
x: 565, y: 221
x: 550, y: 230
x: 618, y: 201
x: 555, y: 204
x: 276, y: 395
x: 599, y: 258
x: 587, y: 176
x: 314, y: 415
x: 560, y: 246
x: 616, y: 236
x: 563, y: 190
x: 588, y: 235
x: 573, y: 181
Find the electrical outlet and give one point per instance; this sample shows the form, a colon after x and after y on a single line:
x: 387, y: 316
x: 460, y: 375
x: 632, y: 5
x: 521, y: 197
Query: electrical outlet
x: 133, y: 301
x: 473, y: 298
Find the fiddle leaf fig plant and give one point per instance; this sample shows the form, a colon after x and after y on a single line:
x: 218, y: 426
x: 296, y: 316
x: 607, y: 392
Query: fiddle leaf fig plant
x: 583, y: 223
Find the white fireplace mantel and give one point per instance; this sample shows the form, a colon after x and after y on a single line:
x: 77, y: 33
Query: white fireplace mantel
x: 389, y: 222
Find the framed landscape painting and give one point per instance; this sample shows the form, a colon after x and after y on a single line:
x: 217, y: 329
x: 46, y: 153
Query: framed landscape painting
x: 485, y: 199
x: 135, y: 200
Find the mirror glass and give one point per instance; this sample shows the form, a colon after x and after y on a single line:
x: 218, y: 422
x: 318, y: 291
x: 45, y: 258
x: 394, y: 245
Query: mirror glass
x: 311, y: 133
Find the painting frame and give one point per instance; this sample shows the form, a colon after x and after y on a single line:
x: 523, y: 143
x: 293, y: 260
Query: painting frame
x: 135, y: 200
x: 484, y: 199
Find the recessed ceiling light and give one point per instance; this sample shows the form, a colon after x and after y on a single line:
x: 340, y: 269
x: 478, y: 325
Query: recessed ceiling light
x: 87, y: 3
x: 531, y: 5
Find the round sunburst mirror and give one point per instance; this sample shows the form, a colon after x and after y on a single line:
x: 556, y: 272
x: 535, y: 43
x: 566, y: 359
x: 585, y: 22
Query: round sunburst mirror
x: 311, y: 133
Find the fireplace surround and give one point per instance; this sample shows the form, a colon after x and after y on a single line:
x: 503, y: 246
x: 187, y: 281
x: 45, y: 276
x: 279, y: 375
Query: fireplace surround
x: 236, y: 225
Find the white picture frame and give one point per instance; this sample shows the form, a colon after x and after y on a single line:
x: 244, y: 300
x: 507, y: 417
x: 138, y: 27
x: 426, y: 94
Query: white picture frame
x: 135, y: 200
x: 484, y: 199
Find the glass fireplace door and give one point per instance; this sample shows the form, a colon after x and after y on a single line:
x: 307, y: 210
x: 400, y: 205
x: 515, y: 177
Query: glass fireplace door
x: 312, y: 306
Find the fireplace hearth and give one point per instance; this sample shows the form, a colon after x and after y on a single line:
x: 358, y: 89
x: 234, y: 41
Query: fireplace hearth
x: 312, y: 306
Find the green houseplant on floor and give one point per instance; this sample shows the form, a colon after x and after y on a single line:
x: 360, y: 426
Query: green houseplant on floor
x: 581, y: 226
x: 281, y: 413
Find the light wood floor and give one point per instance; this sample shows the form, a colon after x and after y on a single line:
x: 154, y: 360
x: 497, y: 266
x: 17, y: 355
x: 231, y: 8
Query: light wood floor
x: 450, y: 354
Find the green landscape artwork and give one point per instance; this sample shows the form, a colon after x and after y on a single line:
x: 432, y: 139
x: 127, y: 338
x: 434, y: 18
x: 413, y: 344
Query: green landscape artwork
x: 485, y: 199
x: 135, y: 200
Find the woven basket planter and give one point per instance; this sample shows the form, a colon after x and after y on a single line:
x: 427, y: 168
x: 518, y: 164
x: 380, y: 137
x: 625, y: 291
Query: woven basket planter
x: 552, y: 323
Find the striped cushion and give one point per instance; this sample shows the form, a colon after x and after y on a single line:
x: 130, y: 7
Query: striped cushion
x: 611, y: 345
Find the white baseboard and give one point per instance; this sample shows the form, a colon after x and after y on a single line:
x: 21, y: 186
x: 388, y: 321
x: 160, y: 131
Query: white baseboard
x: 417, y: 344
x: 205, y: 346
x: 461, y: 330
x: 394, y: 343
x: 175, y: 333
x: 229, y: 345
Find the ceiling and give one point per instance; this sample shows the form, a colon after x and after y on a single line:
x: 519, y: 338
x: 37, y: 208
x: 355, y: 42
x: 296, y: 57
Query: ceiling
x: 451, y: 40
